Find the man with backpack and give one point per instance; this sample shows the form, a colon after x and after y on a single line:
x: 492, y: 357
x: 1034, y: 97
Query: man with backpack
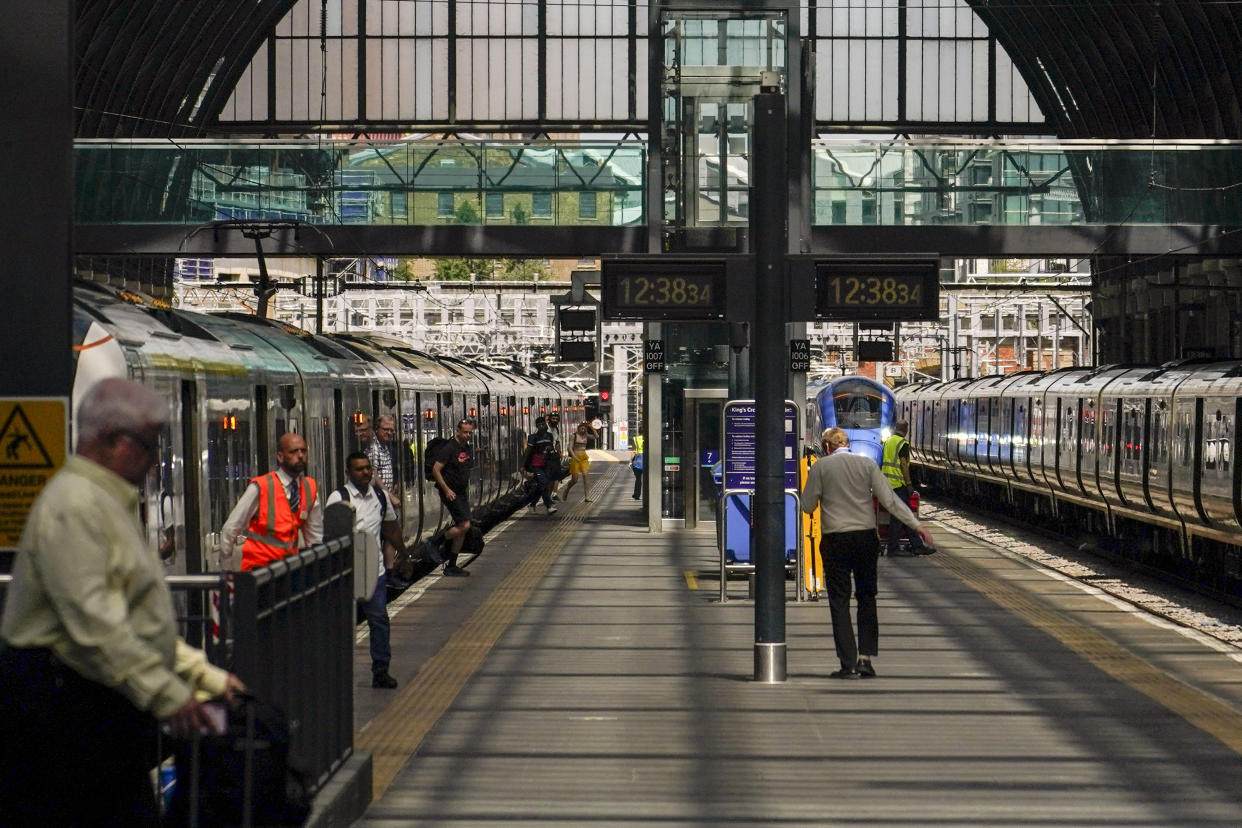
x: 373, y: 515
x: 538, y: 460
x: 451, y: 462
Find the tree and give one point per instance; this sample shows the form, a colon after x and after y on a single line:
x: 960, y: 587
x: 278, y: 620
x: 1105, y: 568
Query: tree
x: 523, y: 270
x: 466, y: 213
x: 460, y: 270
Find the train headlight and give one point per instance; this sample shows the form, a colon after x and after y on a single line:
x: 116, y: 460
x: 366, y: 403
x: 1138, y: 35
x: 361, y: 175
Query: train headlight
x: 885, y: 434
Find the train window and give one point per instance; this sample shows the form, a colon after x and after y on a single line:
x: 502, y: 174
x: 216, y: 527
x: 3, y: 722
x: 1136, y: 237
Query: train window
x: 1183, y: 432
x: 229, y: 465
x: 857, y: 405
x: 1217, y: 442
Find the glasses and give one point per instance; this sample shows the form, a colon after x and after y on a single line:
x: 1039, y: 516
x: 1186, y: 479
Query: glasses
x: 148, y: 445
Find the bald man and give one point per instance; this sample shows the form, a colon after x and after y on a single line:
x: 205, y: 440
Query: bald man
x: 279, y: 512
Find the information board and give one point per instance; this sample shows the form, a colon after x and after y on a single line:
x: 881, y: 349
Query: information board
x: 33, y: 444
x: 653, y: 356
x: 739, y: 445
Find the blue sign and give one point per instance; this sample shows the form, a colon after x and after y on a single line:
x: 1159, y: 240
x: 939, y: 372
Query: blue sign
x: 710, y: 457
x: 739, y: 445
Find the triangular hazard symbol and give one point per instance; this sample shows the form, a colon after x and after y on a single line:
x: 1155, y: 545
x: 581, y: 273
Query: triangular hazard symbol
x: 20, y: 447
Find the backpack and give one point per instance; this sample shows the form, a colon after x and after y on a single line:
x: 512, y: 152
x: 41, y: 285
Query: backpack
x: 429, y: 456
x: 380, y: 493
x: 473, y: 542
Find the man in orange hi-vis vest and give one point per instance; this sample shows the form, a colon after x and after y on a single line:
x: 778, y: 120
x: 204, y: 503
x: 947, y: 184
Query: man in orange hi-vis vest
x: 278, y: 513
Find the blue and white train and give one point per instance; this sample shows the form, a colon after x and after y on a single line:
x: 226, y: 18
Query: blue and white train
x: 866, y: 409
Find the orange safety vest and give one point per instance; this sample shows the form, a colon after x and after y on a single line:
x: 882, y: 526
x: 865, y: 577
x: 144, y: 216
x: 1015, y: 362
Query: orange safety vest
x: 273, y: 531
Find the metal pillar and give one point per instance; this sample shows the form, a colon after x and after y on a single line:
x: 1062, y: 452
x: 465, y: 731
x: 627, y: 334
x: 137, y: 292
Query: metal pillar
x: 36, y: 330
x: 653, y: 438
x: 769, y: 211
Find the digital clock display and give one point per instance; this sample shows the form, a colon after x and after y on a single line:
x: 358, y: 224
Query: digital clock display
x: 890, y: 290
x: 669, y: 290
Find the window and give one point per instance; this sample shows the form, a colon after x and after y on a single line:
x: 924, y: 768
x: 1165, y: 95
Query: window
x: 495, y: 204
x: 541, y: 205
x: 400, y: 205
x: 586, y: 205
x: 444, y: 205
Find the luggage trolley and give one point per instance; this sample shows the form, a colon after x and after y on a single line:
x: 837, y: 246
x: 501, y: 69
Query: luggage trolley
x: 736, y: 488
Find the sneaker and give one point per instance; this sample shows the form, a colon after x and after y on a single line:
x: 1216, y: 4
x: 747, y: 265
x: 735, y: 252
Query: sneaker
x: 396, y: 581
x: 552, y: 510
x: 455, y: 571
x: 383, y: 681
x: 434, y: 553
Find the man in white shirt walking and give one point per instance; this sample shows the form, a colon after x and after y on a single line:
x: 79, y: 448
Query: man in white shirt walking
x: 373, y: 516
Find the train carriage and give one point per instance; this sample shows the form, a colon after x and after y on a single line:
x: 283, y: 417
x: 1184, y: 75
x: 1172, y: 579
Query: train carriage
x: 1145, y: 456
x: 235, y: 383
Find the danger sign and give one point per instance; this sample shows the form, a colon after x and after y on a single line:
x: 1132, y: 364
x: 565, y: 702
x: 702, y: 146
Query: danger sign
x: 34, y: 437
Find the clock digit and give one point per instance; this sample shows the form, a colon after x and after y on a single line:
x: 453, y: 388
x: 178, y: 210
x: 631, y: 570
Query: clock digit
x: 640, y: 295
x: 852, y: 296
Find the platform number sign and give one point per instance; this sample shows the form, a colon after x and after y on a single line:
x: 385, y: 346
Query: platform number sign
x: 799, y: 355
x: 653, y: 356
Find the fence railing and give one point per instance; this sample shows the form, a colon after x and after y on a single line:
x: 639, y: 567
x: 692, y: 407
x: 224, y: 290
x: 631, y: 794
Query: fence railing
x: 293, y: 645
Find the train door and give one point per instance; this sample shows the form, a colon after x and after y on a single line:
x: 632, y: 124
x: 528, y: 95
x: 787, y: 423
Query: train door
x: 1237, y: 466
x: 700, y: 454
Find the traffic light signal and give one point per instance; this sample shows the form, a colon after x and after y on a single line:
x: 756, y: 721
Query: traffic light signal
x: 605, y: 393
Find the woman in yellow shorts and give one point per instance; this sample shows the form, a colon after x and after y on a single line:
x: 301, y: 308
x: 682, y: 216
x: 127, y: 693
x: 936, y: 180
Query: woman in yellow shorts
x: 580, y: 461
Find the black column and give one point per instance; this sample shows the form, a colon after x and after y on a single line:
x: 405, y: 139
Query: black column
x: 769, y: 218
x: 36, y: 213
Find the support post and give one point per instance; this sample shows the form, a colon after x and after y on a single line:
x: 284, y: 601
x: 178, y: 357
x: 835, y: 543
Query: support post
x: 769, y: 212
x: 36, y: 329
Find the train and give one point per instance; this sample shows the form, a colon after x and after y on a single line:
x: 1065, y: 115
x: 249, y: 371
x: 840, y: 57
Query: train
x: 234, y: 383
x: 1138, y: 458
x: 866, y: 409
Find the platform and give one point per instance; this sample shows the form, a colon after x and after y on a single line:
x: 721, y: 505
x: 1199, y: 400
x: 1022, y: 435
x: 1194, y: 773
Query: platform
x: 587, y: 673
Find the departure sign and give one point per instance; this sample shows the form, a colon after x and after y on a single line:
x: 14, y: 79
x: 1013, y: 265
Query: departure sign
x: 657, y: 288
x: 861, y: 289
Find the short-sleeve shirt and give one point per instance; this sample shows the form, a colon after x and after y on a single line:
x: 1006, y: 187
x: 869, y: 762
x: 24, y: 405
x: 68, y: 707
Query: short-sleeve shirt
x: 457, y: 460
x: 541, y: 443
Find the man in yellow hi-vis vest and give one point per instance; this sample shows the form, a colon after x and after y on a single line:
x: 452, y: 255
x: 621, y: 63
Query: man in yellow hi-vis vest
x: 896, y: 468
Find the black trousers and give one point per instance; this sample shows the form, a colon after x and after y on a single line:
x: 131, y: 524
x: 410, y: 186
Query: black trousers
x: 638, y: 483
x: 72, y: 752
x: 852, y: 556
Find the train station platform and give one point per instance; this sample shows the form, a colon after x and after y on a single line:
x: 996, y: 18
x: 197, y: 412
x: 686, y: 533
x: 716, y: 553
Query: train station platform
x: 587, y: 673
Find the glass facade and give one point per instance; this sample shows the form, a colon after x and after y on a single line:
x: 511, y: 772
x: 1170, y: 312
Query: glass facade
x: 872, y: 182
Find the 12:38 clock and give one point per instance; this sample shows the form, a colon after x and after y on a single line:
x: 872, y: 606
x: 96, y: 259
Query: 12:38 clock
x: 665, y: 290
x: 874, y: 290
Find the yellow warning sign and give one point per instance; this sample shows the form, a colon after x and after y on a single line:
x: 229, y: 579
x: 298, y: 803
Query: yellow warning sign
x: 34, y: 439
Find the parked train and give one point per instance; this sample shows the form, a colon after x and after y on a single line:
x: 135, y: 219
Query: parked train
x: 235, y: 383
x: 860, y: 405
x: 1139, y: 456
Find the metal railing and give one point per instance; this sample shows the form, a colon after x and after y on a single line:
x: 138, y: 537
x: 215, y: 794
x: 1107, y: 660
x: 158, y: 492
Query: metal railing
x: 293, y: 645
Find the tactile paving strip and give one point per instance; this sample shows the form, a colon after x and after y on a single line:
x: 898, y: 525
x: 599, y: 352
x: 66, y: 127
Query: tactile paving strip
x: 394, y: 735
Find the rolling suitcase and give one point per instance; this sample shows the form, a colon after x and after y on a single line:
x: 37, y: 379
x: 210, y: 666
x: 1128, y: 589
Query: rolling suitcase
x: 243, y: 776
x: 881, y: 519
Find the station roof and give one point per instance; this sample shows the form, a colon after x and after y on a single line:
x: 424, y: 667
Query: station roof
x: 1099, y: 68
